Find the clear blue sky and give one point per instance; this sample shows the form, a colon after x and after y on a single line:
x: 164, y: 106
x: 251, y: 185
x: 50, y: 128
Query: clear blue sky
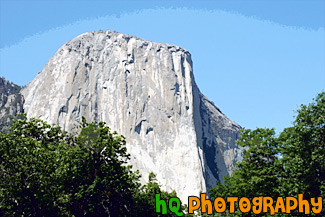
x: 257, y: 60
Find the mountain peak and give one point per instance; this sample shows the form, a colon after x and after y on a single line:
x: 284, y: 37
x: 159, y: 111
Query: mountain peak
x: 147, y: 92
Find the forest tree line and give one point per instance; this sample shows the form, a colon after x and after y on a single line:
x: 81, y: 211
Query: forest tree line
x: 45, y: 171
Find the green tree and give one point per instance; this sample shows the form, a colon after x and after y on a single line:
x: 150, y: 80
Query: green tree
x: 258, y: 173
x: 146, y: 199
x: 47, y: 172
x: 97, y: 181
x: 304, y: 151
x: 27, y: 168
x: 290, y: 164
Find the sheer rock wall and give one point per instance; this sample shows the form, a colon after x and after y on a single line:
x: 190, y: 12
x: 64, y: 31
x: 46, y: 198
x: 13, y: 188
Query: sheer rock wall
x: 145, y: 91
x: 11, y: 103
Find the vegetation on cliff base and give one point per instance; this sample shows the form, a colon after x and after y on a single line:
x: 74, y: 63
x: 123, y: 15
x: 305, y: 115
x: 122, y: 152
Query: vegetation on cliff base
x: 44, y: 171
x: 286, y: 165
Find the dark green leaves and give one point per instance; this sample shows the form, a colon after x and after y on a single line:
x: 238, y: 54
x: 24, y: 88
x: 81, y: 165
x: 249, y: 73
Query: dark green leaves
x: 286, y: 165
x: 46, y: 172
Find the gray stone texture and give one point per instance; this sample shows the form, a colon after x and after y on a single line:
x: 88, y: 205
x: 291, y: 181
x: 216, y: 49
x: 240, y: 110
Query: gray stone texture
x: 11, y: 103
x: 145, y: 91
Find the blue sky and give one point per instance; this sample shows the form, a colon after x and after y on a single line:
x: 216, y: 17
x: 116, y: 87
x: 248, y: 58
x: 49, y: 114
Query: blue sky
x: 256, y: 60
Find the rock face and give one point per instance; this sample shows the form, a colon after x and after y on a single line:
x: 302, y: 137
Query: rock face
x: 11, y: 103
x: 147, y: 92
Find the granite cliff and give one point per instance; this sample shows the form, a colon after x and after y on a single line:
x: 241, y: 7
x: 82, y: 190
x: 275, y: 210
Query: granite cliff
x: 11, y: 103
x: 147, y: 92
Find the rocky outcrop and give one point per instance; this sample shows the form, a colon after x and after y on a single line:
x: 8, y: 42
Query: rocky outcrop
x: 11, y: 103
x: 147, y: 92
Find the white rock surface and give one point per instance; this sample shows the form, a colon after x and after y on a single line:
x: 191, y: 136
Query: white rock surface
x: 147, y: 92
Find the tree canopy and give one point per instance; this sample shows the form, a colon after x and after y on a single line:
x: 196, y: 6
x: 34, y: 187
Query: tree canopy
x: 286, y: 165
x: 45, y: 171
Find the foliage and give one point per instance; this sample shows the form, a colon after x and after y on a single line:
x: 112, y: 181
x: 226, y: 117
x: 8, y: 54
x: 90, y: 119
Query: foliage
x: 285, y: 165
x: 304, y: 150
x: 44, y: 171
x: 28, y: 180
x: 146, y: 202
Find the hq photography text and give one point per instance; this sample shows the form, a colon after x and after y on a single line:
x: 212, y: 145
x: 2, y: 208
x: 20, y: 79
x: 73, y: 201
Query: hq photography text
x: 256, y: 205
